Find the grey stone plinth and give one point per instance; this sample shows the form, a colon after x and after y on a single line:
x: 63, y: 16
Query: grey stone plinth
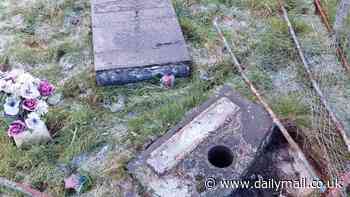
x: 178, y: 163
x: 133, y: 39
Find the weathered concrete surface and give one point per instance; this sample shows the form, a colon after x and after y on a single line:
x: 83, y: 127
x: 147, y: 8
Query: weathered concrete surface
x: 177, y: 164
x: 132, y: 35
x: 183, y: 142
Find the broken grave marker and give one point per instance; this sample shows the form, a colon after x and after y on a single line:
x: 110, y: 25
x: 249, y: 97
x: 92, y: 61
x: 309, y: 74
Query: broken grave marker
x: 219, y: 139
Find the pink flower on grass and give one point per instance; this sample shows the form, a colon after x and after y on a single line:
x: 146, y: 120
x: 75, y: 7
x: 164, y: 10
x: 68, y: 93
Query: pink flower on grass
x: 168, y: 81
x: 30, y: 104
x: 72, y: 182
x: 16, y: 128
x: 46, y: 88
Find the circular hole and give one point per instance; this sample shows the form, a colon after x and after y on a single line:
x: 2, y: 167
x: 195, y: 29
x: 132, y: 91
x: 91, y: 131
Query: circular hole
x: 220, y: 156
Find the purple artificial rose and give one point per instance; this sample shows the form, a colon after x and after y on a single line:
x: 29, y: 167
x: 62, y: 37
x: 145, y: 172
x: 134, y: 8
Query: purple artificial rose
x: 46, y: 88
x: 30, y: 104
x: 16, y: 128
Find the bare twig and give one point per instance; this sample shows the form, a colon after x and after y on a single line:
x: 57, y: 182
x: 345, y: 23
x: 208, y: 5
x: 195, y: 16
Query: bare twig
x: 324, y: 15
x: 274, y: 117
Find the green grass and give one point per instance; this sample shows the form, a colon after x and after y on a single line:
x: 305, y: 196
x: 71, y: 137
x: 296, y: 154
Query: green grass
x: 197, y: 27
x: 263, y: 4
x: 51, y: 73
x: 276, y: 46
x: 269, y: 8
x: 159, y: 119
x: 331, y: 8
x: 158, y: 115
x: 291, y: 107
x: 345, y: 39
x: 28, y: 48
x: 40, y: 161
x: 260, y: 78
x: 75, y: 125
x: 28, y: 55
x: 7, y: 192
x: 153, y: 110
x: 81, y: 115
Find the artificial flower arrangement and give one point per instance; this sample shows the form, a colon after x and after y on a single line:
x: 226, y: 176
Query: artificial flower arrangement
x: 24, y: 105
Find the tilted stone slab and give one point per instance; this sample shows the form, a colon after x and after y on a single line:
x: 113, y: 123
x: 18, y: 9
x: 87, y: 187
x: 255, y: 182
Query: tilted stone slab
x: 134, y: 37
x: 179, y: 162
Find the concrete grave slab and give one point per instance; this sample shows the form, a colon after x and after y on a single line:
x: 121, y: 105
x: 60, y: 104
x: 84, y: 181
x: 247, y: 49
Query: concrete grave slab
x: 136, y: 40
x: 220, y: 139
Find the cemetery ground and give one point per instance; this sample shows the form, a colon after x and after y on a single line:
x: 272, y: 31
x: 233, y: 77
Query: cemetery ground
x: 98, y: 130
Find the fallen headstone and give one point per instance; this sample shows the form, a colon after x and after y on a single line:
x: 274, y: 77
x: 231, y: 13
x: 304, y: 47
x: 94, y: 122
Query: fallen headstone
x: 220, y: 139
x: 136, y: 40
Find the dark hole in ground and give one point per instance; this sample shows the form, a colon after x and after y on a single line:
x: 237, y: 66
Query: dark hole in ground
x: 60, y: 54
x: 220, y: 156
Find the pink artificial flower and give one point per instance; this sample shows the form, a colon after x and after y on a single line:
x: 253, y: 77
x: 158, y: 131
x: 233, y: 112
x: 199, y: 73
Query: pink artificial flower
x: 16, y: 128
x: 168, y: 80
x: 72, y: 182
x: 46, y: 88
x: 30, y: 104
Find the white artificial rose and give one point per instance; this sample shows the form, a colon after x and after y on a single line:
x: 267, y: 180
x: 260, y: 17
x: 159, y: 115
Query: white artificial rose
x: 26, y: 79
x: 29, y: 91
x: 42, y: 108
x: 14, y: 74
x: 11, y: 106
x: 3, y: 85
x: 7, y: 87
x: 34, y: 122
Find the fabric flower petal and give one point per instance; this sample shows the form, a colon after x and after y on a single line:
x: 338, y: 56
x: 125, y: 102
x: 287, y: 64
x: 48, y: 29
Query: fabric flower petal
x: 42, y: 108
x: 16, y: 128
x: 11, y: 106
x: 30, y: 104
x: 46, y: 88
x: 34, y: 122
x: 29, y: 91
